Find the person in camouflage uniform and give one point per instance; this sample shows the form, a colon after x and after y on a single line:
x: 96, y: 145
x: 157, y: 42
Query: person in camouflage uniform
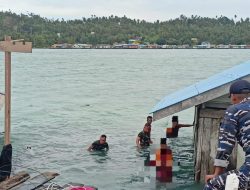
x: 234, y: 127
x: 143, y: 139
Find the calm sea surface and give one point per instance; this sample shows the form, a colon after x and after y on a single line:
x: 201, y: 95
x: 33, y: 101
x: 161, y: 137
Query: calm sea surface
x: 63, y: 100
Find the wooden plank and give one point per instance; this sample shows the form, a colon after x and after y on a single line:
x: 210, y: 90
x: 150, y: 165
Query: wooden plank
x: 216, y: 105
x: 212, y: 113
x: 199, y: 131
x: 16, y: 46
x: 206, y: 143
x: 214, y: 140
x: 205, y: 148
x: 195, y: 133
x: 14, y: 180
x: 36, y: 181
x: 222, y: 99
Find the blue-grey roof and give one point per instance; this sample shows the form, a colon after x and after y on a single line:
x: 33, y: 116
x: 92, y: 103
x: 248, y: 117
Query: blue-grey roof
x: 227, y: 76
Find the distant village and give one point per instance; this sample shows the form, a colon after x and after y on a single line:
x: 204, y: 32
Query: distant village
x: 137, y: 44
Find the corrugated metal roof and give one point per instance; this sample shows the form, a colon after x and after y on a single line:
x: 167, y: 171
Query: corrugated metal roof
x: 227, y: 76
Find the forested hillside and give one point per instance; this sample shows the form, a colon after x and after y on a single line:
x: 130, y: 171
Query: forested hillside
x: 44, y: 32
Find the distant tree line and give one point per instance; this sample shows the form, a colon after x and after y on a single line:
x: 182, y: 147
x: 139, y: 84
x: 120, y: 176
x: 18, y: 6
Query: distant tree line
x: 44, y: 32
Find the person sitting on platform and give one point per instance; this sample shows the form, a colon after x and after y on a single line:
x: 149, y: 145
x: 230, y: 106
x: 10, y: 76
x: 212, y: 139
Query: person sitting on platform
x: 100, y: 144
x: 143, y: 139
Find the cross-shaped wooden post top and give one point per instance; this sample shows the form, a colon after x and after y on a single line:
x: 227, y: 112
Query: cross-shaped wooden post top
x: 15, y: 45
x: 9, y: 46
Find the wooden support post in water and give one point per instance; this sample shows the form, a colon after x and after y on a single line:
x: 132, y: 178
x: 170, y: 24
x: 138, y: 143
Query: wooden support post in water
x: 7, y: 94
x: 9, y: 46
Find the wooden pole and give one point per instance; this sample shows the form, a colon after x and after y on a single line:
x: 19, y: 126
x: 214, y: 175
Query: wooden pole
x: 7, y: 94
x: 9, y: 46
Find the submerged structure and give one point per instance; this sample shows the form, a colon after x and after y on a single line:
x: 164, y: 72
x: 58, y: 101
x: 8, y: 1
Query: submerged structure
x: 210, y: 99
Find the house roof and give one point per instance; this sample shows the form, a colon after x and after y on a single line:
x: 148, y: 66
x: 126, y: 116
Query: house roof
x: 203, y: 91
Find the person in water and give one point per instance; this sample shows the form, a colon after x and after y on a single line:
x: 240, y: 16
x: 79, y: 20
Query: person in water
x: 100, y: 144
x: 149, y: 121
x: 235, y: 127
x: 143, y: 139
x: 174, y: 130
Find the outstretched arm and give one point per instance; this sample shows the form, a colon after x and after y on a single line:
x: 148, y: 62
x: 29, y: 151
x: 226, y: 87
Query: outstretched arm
x: 185, y: 125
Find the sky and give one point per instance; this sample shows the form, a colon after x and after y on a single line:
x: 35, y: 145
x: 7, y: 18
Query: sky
x: 149, y: 10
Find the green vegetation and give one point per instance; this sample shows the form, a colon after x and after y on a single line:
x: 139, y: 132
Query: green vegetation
x: 44, y: 32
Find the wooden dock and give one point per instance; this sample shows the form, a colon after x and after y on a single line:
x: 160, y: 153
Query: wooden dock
x: 23, y: 181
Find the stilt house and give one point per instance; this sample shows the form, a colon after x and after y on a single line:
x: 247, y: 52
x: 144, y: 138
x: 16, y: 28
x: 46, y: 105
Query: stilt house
x: 210, y: 99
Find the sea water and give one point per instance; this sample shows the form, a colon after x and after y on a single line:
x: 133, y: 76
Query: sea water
x: 63, y: 100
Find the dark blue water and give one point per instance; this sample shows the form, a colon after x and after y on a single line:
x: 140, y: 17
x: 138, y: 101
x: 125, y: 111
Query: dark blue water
x: 63, y: 100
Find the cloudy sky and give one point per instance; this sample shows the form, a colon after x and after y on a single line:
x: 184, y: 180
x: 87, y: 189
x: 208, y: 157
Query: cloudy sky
x: 149, y: 10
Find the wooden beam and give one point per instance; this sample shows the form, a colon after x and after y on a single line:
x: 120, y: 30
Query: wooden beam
x: 36, y: 181
x: 216, y: 105
x: 212, y: 113
x: 14, y: 181
x: 16, y: 46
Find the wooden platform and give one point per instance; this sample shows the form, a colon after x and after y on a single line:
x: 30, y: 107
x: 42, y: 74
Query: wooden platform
x: 23, y: 181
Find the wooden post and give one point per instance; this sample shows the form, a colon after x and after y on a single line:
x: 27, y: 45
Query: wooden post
x: 7, y: 94
x: 9, y: 46
x: 206, y: 141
